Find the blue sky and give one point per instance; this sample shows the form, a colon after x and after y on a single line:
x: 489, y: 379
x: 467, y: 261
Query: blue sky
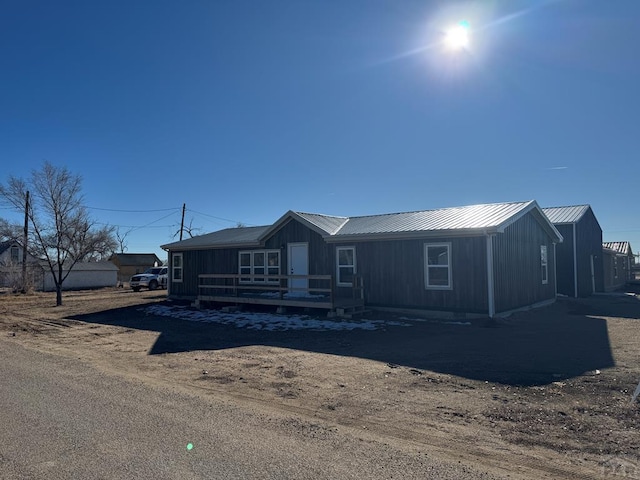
x: 243, y: 110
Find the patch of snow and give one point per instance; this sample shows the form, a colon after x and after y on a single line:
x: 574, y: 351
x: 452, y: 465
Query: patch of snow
x: 439, y: 322
x: 266, y: 321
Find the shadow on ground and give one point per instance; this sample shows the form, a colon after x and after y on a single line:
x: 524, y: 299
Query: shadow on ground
x: 537, y: 347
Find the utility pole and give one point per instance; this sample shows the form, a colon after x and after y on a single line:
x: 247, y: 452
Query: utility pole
x: 25, y: 238
x: 184, y: 206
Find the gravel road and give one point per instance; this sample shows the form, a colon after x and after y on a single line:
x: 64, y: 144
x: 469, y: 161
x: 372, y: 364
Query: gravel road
x: 63, y: 419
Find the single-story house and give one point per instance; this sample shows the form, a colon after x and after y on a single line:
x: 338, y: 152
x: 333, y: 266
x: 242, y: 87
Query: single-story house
x: 579, y: 257
x: 83, y: 275
x: 11, y: 257
x: 619, y: 264
x: 130, y: 264
x: 482, y: 259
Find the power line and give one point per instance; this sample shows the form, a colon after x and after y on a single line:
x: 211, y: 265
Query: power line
x: 134, y: 211
x: 133, y: 227
x: 217, y: 218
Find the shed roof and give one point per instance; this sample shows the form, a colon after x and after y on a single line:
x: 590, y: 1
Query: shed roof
x: 101, y: 266
x: 453, y: 221
x: 619, y: 247
x: 136, y: 259
x: 565, y: 215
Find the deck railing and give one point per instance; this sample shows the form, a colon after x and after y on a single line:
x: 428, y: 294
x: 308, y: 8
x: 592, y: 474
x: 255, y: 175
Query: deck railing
x: 275, y: 286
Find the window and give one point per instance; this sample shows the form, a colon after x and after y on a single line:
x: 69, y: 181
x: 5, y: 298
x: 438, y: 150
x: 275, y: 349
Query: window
x: 346, y: 266
x: 437, y: 265
x: 259, y: 262
x: 544, y: 265
x: 176, y: 267
x: 15, y: 254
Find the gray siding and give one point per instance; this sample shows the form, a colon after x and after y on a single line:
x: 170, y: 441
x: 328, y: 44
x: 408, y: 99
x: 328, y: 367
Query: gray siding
x: 517, y: 265
x: 393, y: 273
x: 564, y: 261
x: 588, y: 243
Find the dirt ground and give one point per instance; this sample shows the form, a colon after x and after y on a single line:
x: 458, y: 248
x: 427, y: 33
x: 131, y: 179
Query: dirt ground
x: 541, y: 394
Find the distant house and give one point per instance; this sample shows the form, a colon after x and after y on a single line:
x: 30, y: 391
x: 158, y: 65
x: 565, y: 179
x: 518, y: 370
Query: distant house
x: 483, y: 259
x: 83, y: 275
x: 131, y: 263
x: 11, y: 256
x: 618, y: 264
x: 579, y: 257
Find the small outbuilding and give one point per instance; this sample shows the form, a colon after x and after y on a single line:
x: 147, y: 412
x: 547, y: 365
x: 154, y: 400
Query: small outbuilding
x: 481, y: 259
x: 618, y: 264
x: 579, y: 256
x: 84, y: 275
x: 130, y: 264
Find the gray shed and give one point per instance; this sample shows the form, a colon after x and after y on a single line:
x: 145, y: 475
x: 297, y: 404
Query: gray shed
x: 579, y: 258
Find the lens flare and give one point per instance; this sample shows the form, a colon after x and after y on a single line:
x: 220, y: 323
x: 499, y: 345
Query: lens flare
x: 457, y: 37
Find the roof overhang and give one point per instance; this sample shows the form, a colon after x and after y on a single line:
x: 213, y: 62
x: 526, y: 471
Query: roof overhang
x: 533, y: 207
x: 286, y: 218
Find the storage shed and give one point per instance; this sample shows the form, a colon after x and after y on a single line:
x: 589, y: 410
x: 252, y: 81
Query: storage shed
x: 482, y: 259
x: 621, y: 269
x: 579, y: 257
x: 84, y: 275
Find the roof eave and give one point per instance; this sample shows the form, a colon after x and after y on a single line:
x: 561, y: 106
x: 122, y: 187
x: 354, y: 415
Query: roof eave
x: 176, y: 247
x: 414, y: 234
x: 287, y: 217
x: 532, y: 206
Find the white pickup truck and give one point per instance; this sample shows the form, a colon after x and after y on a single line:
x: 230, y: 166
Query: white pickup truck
x: 152, y: 278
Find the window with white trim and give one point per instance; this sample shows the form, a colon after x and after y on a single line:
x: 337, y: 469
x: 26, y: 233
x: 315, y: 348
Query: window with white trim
x: 176, y: 267
x: 259, y: 262
x: 15, y: 254
x: 437, y: 269
x: 345, y: 266
x: 544, y: 264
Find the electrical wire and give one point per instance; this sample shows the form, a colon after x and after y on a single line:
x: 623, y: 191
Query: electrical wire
x: 134, y: 211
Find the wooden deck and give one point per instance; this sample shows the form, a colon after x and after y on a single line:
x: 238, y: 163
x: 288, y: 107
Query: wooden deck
x: 312, y: 291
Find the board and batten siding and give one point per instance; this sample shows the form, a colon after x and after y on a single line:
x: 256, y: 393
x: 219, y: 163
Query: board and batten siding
x: 565, y: 261
x: 576, y: 263
x: 295, y: 232
x: 393, y: 273
x: 517, y: 265
x: 589, y: 243
x: 225, y: 260
x: 196, y: 262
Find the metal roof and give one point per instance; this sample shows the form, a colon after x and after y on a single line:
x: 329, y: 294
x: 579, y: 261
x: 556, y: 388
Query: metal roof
x: 472, y: 217
x: 619, y: 247
x: 221, y: 238
x: 455, y: 221
x: 569, y: 214
x: 327, y: 223
x: 135, y: 259
x: 102, y: 266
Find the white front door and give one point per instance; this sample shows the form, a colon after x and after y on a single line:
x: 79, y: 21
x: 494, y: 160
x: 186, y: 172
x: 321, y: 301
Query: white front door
x: 298, y: 265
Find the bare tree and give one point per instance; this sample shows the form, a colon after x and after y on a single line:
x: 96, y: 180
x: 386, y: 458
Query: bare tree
x: 121, y: 238
x: 62, y: 232
x: 189, y: 229
x: 8, y: 231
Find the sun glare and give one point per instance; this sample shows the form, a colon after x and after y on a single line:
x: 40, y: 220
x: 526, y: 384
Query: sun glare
x: 457, y: 37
